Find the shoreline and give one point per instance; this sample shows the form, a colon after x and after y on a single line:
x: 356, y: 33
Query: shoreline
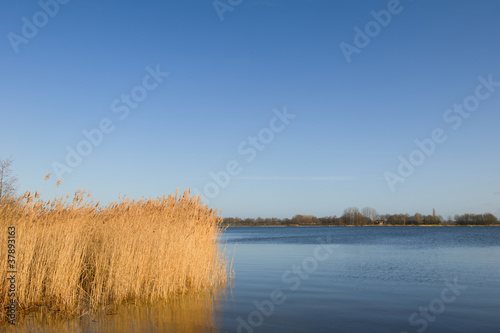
x: 354, y: 226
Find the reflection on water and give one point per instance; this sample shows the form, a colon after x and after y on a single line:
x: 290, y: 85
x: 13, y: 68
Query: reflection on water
x: 374, y: 280
x: 183, y: 314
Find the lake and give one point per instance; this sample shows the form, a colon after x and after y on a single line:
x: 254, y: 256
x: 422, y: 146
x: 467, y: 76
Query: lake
x: 335, y: 279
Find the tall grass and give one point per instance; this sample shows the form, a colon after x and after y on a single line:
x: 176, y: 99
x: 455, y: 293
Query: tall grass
x: 73, y: 256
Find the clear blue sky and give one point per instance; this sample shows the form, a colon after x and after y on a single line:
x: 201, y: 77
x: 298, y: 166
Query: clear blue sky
x: 352, y: 119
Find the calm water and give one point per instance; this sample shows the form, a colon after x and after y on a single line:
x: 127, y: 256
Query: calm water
x: 321, y: 279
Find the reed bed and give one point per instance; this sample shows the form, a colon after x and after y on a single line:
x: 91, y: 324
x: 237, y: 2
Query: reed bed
x: 73, y: 256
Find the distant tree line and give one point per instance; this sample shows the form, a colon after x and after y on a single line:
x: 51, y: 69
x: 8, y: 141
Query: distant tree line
x: 476, y: 219
x: 367, y: 216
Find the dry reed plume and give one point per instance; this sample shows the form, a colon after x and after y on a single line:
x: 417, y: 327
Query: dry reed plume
x: 74, y: 256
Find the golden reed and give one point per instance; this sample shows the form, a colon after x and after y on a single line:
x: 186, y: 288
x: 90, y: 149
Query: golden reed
x: 73, y: 256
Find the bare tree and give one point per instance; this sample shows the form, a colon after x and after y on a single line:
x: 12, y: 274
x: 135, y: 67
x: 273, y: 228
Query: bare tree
x: 351, y: 216
x: 370, y: 213
x: 418, y: 218
x: 8, y: 181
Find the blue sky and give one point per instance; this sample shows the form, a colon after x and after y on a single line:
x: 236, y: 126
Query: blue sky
x: 227, y: 79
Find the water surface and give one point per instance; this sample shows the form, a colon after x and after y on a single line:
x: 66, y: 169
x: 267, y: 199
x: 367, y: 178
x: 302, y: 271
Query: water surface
x: 374, y: 279
x: 336, y: 279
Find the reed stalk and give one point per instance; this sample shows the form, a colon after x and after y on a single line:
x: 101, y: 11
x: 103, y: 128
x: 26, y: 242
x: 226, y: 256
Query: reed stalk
x: 74, y: 256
